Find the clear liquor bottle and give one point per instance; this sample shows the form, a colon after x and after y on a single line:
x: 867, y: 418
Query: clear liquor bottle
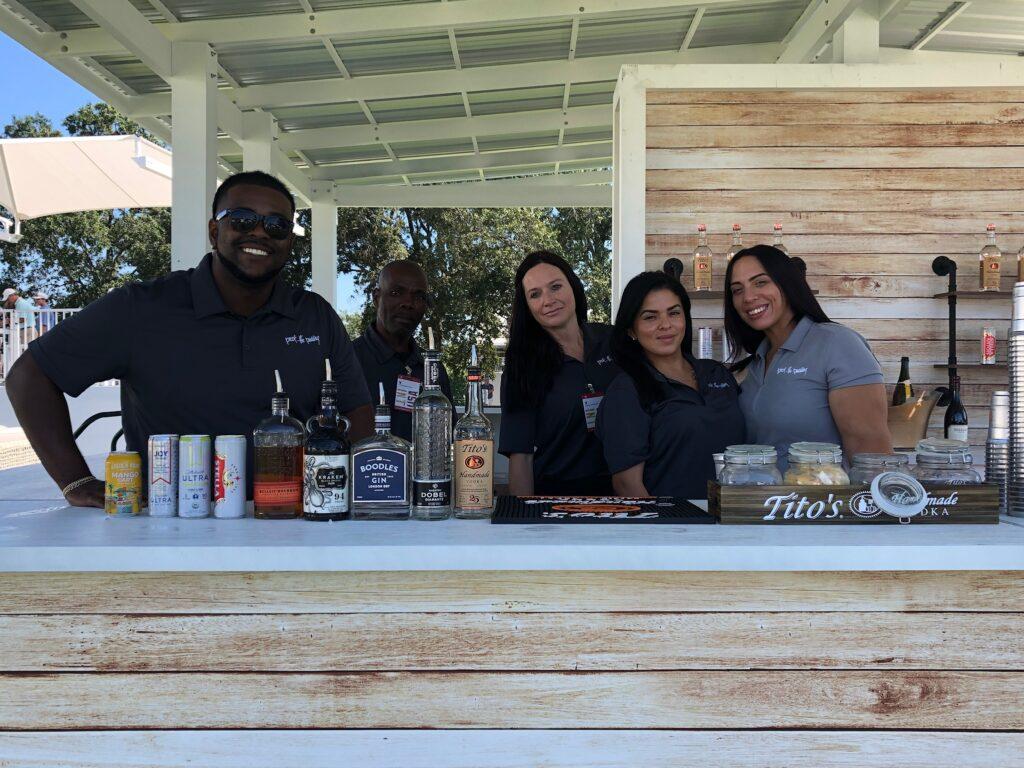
x: 1020, y: 265
x: 277, y: 475
x: 737, y: 242
x: 778, y: 238
x: 989, y: 261
x: 702, y: 261
x: 432, y: 446
x: 327, y: 474
x: 474, y: 454
x: 381, y: 464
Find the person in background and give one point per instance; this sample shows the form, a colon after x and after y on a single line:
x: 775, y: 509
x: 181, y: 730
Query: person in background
x: 557, y: 367
x: 808, y: 378
x: 387, y: 350
x: 667, y: 413
x: 46, y: 318
x: 195, y: 350
x: 23, y: 325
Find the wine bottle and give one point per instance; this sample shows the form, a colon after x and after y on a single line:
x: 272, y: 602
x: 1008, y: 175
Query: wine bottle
x: 904, y: 389
x: 954, y: 425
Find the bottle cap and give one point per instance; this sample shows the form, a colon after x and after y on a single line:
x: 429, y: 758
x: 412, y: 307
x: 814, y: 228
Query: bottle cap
x: 899, y: 495
x: 735, y: 227
x: 701, y: 228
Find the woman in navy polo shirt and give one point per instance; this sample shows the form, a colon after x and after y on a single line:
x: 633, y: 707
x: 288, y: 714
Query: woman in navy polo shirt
x: 557, y: 367
x: 807, y: 377
x: 667, y: 413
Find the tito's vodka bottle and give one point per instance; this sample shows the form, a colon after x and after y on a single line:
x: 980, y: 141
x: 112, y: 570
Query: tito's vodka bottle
x: 989, y: 260
x: 474, y: 454
x: 432, y: 445
x: 702, y: 261
x: 380, y: 471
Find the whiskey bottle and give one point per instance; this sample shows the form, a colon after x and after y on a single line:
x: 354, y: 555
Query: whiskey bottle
x: 432, y: 444
x: 380, y: 471
x: 277, y: 483
x: 702, y: 261
x: 474, y: 453
x: 327, y: 475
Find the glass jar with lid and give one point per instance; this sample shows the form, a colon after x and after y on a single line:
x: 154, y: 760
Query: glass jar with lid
x: 816, y: 464
x: 751, y: 465
x: 867, y: 466
x: 945, y: 462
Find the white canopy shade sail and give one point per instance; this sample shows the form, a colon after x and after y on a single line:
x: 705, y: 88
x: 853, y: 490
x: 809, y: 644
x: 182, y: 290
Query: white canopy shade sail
x: 45, y: 176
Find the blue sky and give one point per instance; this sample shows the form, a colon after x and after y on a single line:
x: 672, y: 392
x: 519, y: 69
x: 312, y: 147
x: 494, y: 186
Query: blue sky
x: 31, y: 85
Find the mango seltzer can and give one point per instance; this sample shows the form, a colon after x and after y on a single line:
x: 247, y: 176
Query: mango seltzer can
x: 124, y: 483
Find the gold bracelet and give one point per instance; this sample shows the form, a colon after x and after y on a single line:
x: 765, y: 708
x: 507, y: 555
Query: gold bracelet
x: 76, y: 484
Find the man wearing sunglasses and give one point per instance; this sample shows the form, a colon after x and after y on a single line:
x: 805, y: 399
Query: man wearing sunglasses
x: 196, y: 349
x: 387, y: 350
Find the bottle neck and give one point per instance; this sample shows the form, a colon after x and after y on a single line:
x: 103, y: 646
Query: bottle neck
x: 329, y: 403
x: 702, y: 238
x: 279, y: 405
x: 473, y: 405
x: 382, y: 421
x: 737, y: 239
x: 431, y: 370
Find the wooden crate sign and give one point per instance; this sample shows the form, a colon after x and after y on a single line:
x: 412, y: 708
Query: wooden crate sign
x: 822, y: 504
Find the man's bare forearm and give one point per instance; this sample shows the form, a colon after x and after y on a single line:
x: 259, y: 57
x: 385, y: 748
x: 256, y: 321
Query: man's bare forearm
x: 43, y: 413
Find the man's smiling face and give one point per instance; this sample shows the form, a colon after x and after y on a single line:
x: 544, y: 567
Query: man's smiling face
x: 252, y: 257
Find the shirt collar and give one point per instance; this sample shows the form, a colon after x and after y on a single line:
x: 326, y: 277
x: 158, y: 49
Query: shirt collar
x: 698, y: 374
x: 383, y: 351
x: 207, y: 301
x: 793, y: 341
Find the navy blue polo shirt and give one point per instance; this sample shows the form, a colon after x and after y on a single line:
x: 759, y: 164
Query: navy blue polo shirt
x: 676, y: 437
x: 381, y: 364
x: 188, y: 365
x: 567, y: 457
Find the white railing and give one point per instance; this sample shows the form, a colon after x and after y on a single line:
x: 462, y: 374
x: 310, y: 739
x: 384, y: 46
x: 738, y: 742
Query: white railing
x: 17, y: 330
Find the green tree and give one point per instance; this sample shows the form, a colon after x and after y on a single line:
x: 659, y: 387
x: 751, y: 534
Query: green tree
x: 584, y: 237
x: 29, y: 127
x: 101, y: 119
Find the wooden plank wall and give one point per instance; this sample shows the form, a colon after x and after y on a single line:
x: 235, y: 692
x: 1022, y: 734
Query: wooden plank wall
x: 870, y: 186
x: 512, y: 670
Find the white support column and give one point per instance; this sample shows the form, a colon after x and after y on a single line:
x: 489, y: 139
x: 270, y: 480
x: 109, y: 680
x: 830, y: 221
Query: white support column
x: 325, y: 243
x: 194, y: 141
x: 856, y: 41
x: 629, y: 209
x: 258, y: 132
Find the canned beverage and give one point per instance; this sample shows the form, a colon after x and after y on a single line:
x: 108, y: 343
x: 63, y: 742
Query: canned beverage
x: 163, y: 475
x: 229, y: 476
x: 988, y: 345
x: 706, y: 343
x: 194, y: 476
x: 123, y: 471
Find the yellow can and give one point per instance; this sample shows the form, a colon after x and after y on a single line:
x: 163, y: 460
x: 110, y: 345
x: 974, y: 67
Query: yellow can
x: 124, y: 483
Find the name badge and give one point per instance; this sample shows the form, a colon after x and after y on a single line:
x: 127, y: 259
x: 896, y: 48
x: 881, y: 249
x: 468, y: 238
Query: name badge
x: 407, y: 389
x: 591, y: 402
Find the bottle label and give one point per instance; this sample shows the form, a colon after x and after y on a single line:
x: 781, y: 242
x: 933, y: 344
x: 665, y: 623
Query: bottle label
x: 326, y: 485
x: 277, y: 493
x: 380, y: 474
x: 432, y: 493
x: 474, y: 480
x: 958, y: 432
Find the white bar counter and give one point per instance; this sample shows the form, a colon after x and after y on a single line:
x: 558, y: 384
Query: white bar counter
x: 40, y: 537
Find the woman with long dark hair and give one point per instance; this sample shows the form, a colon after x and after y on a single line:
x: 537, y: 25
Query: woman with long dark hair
x: 557, y: 366
x: 667, y: 413
x: 808, y: 378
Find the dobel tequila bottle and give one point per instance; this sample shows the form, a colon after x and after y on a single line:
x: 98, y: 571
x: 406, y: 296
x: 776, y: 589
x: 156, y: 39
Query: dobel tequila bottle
x: 277, y: 479
x: 380, y: 471
x: 702, y: 261
x: 325, y: 493
x: 432, y: 441
x: 474, y: 454
x: 989, y: 259
x: 737, y: 242
x: 777, y: 243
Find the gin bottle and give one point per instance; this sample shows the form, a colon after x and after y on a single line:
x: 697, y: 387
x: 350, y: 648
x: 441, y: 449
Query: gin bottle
x: 474, y: 454
x: 432, y: 445
x: 277, y: 476
x: 325, y: 494
x: 380, y: 471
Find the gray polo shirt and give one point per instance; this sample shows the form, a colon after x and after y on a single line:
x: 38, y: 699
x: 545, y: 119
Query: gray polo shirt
x: 188, y: 365
x: 789, y: 402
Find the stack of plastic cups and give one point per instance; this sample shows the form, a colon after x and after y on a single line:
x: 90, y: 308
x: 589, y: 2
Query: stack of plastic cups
x: 1015, y: 346
x: 997, y: 447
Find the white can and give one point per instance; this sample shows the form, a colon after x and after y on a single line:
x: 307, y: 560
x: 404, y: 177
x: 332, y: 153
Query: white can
x: 706, y: 343
x: 194, y: 476
x: 229, y: 476
x: 163, y: 475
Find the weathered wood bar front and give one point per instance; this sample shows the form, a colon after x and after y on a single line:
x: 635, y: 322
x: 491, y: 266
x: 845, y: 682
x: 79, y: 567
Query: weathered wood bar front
x: 256, y: 643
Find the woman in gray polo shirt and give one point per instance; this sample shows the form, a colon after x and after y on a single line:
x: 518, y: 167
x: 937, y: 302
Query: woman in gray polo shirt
x: 807, y: 377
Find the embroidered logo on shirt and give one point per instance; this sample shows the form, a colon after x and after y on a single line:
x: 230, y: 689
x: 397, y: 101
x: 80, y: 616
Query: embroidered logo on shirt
x: 791, y: 369
x: 300, y: 339
x: 604, y: 360
x: 717, y: 385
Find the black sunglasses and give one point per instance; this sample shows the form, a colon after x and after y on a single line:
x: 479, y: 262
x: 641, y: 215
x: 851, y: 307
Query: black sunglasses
x: 246, y: 220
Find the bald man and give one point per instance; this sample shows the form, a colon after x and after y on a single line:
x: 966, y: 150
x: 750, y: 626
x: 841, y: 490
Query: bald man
x: 387, y: 351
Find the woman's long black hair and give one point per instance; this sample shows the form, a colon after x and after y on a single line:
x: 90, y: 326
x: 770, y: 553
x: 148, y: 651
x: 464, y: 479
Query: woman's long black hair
x: 533, y: 357
x: 628, y: 353
x: 787, y: 273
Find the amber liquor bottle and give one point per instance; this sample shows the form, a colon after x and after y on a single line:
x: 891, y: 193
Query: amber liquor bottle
x: 277, y: 476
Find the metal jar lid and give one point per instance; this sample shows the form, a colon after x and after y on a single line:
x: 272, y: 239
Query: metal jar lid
x: 893, y: 460
x: 815, y: 453
x: 751, y: 454
x: 898, y: 494
x: 941, y: 451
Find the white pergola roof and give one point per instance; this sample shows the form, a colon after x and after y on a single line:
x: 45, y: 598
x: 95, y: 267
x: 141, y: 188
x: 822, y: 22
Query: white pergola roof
x: 392, y: 102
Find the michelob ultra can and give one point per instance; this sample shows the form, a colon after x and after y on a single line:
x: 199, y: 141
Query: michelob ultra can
x: 194, y: 476
x: 163, y: 475
x: 124, y: 483
x: 229, y: 476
